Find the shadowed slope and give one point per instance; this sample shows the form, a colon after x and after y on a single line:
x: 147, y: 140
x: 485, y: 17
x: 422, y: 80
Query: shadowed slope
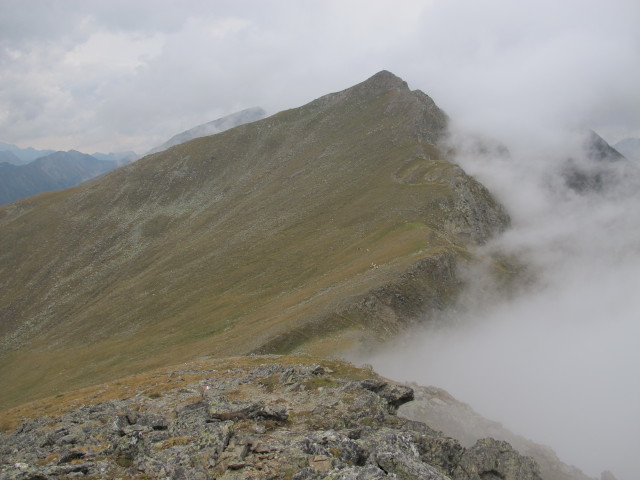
x: 317, y: 226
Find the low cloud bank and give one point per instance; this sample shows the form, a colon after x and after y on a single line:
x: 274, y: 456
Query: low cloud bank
x: 559, y: 360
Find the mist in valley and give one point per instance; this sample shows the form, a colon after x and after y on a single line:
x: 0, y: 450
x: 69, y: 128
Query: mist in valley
x: 557, y: 359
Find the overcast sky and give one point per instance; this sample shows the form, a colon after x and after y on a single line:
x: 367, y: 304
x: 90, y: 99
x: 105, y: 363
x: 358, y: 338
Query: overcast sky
x: 118, y: 75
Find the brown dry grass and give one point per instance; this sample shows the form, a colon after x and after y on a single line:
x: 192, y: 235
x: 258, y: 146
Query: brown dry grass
x: 165, y: 379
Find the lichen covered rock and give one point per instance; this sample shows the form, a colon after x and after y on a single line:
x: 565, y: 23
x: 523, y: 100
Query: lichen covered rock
x: 251, y: 417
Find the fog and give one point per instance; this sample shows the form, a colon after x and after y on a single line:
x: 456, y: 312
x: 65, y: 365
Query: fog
x: 558, y: 360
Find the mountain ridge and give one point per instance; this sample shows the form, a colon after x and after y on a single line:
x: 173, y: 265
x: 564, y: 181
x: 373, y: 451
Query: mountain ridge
x: 322, y: 228
x: 23, y: 155
x: 54, y: 171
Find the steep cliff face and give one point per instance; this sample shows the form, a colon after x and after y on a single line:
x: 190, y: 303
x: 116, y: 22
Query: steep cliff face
x: 243, y: 418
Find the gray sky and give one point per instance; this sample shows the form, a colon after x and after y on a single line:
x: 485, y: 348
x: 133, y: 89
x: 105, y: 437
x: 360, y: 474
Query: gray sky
x: 117, y: 75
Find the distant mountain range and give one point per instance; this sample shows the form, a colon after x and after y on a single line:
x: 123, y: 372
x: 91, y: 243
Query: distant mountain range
x: 27, y: 171
x: 18, y: 156
x: 55, y: 171
x: 213, y: 127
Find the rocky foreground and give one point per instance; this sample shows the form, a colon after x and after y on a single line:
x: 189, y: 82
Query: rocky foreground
x: 250, y: 418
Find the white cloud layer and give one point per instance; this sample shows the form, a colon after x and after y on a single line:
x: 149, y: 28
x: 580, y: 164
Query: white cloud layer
x: 114, y: 75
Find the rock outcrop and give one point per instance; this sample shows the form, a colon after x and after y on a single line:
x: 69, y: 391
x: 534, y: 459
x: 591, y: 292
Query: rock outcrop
x: 252, y: 417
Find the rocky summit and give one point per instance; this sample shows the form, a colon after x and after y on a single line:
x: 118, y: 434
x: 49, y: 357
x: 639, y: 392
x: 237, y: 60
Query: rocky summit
x: 321, y: 229
x: 243, y: 418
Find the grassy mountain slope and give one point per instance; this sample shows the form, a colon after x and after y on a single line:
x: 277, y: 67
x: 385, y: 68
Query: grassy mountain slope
x: 311, y: 229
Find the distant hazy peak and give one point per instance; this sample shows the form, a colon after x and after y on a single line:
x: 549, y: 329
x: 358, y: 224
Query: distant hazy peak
x: 598, y: 149
x: 211, y: 128
x: 599, y: 168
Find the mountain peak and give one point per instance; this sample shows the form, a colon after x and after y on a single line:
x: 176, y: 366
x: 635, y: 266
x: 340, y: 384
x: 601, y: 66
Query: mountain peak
x: 384, y: 80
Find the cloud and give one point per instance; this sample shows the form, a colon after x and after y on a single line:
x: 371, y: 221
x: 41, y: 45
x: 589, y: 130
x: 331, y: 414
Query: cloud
x: 139, y: 72
x: 558, y: 361
x: 517, y: 64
